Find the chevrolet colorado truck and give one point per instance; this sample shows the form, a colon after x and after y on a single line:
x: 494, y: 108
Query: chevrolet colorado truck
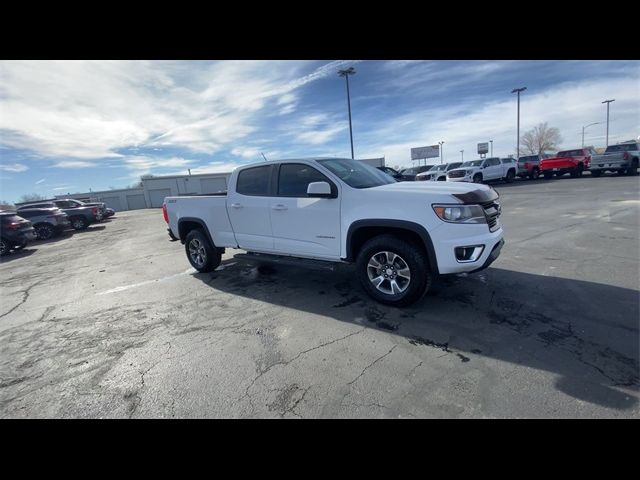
x: 399, y: 235
x: 484, y: 169
x: 621, y: 158
x: 573, y: 162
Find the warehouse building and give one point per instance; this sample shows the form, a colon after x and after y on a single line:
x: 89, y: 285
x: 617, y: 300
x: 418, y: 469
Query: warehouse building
x: 154, y: 189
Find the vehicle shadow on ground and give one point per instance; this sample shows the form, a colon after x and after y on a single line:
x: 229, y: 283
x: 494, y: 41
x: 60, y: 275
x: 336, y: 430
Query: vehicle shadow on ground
x: 15, y: 255
x: 586, y: 333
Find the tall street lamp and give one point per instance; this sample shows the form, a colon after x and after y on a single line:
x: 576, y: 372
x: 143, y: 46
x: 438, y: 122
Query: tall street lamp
x: 586, y: 126
x: 345, y: 73
x: 518, y: 90
x: 441, y: 151
x: 491, y: 142
x: 462, y: 154
x: 608, y: 102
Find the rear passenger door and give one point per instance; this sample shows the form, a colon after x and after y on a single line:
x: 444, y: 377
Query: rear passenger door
x: 493, y: 169
x: 301, y: 225
x: 249, y: 207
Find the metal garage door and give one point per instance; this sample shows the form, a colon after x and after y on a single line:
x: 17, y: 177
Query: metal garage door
x: 157, y: 196
x: 213, y: 185
x: 136, y: 201
x: 113, y: 202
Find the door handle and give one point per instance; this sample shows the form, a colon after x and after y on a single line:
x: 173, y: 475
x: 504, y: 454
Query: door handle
x: 279, y: 207
x: 236, y: 205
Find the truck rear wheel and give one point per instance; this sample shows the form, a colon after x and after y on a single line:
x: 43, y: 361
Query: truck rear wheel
x: 634, y: 168
x: 596, y: 173
x: 202, y: 256
x: 577, y: 172
x: 548, y: 175
x: 535, y: 173
x: 393, y: 271
x: 79, y: 223
x: 510, y: 176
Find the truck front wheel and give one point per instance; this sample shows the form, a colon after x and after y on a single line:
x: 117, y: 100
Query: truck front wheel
x: 535, y: 173
x: 548, y: 175
x: 202, y: 256
x: 477, y: 178
x: 393, y: 271
x: 596, y: 173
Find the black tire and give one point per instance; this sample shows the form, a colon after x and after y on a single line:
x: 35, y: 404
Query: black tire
x: 535, y: 174
x: 633, y: 170
x: 79, y: 223
x: 577, y: 172
x: 45, y: 231
x: 510, y: 176
x: 17, y: 248
x: 202, y: 256
x: 548, y: 175
x: 477, y: 178
x: 596, y: 173
x: 409, y: 258
x: 5, y: 247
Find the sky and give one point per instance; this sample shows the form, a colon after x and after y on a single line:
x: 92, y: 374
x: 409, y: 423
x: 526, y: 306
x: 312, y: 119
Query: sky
x: 75, y: 126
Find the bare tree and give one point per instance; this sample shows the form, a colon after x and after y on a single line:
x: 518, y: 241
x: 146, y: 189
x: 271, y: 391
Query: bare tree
x: 540, y: 139
x: 5, y: 205
x: 31, y: 197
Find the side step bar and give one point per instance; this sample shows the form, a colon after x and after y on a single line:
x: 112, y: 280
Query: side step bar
x: 287, y: 261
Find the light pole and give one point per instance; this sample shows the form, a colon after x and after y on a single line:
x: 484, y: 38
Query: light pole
x: 345, y: 73
x: 518, y: 90
x: 586, y: 126
x: 462, y: 154
x: 491, y: 142
x: 608, y: 102
x: 441, y: 151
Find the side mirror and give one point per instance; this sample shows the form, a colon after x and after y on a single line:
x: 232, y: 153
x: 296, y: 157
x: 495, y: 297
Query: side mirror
x: 319, y: 190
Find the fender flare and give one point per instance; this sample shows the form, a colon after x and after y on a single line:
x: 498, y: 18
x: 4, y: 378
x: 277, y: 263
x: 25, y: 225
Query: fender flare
x: 200, y: 222
x: 399, y: 224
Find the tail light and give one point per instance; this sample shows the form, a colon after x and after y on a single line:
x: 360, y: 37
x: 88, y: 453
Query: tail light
x: 13, y: 225
x: 94, y: 210
x: 526, y: 165
x: 164, y: 212
x: 626, y: 155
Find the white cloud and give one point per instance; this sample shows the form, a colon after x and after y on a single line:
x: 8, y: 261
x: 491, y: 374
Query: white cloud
x: 100, y: 107
x: 73, y: 164
x: 40, y: 181
x: 13, y: 167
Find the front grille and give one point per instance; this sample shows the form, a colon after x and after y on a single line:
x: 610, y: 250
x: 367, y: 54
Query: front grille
x: 492, y: 211
x: 456, y: 174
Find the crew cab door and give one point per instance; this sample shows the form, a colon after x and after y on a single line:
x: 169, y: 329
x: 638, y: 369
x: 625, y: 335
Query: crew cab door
x: 248, y: 205
x: 301, y: 225
x: 492, y: 169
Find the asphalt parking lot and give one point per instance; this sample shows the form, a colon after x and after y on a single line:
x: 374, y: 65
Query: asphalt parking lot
x: 113, y: 322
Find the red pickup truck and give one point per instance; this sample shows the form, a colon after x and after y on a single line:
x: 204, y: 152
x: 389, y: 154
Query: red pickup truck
x: 569, y: 161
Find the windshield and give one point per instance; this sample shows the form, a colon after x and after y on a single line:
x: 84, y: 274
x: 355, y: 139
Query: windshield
x: 356, y: 174
x: 530, y: 158
x: 439, y: 168
x: 627, y: 147
x: 571, y: 153
x: 472, y: 163
x: 453, y: 165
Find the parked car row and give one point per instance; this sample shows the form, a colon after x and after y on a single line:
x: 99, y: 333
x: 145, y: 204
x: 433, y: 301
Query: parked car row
x: 47, y: 219
x: 621, y: 158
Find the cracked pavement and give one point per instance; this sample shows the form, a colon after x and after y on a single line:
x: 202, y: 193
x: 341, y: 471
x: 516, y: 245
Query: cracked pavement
x: 113, y: 323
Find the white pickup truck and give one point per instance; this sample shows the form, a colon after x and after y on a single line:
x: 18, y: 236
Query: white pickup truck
x: 400, y: 235
x: 482, y: 170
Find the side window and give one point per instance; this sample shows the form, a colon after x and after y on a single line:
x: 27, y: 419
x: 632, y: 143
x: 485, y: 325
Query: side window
x: 294, y: 179
x: 254, y: 181
x: 494, y: 162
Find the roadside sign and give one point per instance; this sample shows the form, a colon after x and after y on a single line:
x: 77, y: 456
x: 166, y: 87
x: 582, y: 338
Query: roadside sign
x: 432, y: 151
x: 483, y: 148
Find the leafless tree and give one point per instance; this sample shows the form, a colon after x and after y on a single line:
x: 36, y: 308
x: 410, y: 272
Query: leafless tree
x: 4, y: 205
x: 540, y: 139
x: 31, y: 197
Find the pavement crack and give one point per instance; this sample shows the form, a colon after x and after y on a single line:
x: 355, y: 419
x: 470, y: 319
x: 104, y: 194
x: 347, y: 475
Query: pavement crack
x: 371, y: 365
x: 25, y: 297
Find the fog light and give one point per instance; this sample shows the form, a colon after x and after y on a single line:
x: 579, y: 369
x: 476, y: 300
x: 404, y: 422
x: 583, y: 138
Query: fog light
x: 470, y: 253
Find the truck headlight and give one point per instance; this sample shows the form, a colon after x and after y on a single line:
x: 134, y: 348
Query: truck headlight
x: 460, y: 213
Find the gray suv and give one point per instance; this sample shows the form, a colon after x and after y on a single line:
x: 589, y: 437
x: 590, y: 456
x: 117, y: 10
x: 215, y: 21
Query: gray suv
x: 48, y: 222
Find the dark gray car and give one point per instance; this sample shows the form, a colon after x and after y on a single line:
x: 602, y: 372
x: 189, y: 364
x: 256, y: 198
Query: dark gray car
x: 79, y: 216
x: 48, y: 222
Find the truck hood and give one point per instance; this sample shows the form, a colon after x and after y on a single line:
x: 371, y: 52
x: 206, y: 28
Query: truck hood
x: 462, y: 192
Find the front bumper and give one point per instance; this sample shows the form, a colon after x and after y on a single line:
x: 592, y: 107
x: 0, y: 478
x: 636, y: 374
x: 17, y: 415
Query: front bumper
x: 460, y: 179
x: 451, y: 236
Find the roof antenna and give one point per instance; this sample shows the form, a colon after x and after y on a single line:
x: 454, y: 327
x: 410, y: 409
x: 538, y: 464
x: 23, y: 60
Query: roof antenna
x: 265, y: 158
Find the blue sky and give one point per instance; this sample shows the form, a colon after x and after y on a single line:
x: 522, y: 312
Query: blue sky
x: 71, y: 126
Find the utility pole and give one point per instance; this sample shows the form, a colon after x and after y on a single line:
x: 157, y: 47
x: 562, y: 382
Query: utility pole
x: 441, y: 151
x: 608, y: 102
x: 518, y: 90
x: 462, y: 154
x: 583, y: 128
x: 345, y: 74
x: 491, y: 142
